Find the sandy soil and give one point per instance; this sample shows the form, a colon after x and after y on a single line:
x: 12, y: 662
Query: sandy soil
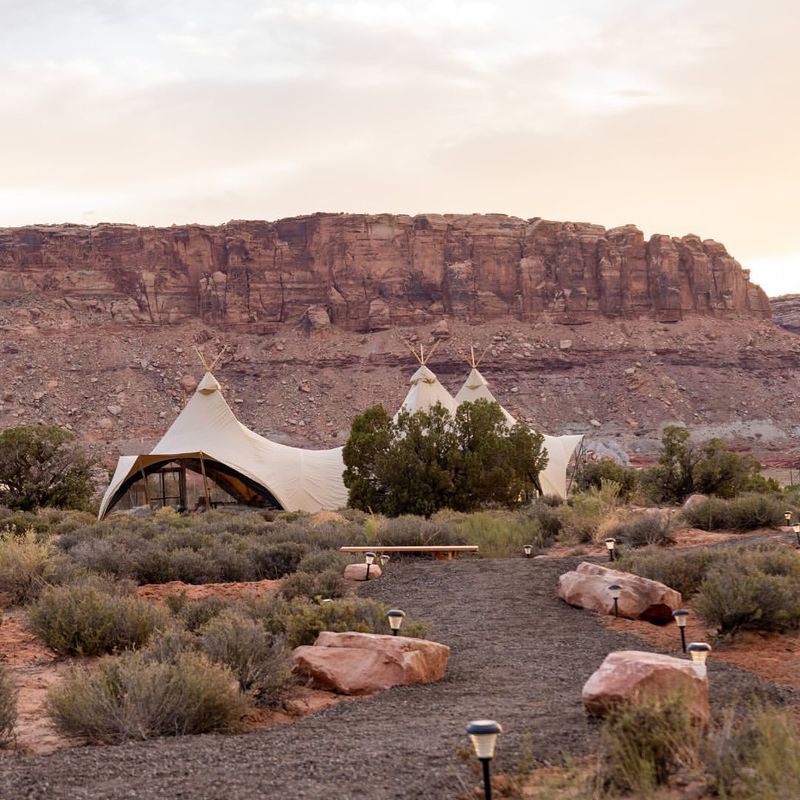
x: 156, y: 592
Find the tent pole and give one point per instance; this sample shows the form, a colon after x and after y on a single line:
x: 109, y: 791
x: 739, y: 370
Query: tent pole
x: 205, y: 482
x: 146, y: 492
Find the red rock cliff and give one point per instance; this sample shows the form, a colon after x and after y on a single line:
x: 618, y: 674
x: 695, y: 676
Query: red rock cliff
x: 371, y: 271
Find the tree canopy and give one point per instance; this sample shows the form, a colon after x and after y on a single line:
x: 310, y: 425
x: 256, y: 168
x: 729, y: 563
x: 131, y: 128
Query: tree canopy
x: 42, y: 465
x: 429, y: 460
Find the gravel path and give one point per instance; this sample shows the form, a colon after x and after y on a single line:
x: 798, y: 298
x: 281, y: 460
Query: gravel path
x: 519, y: 655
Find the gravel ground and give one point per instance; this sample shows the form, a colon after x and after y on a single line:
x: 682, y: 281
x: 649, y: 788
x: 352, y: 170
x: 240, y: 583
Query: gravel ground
x: 519, y: 655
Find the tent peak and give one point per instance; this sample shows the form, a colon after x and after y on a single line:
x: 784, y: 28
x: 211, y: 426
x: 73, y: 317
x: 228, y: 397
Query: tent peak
x: 423, y: 374
x: 475, y: 380
x: 209, y: 384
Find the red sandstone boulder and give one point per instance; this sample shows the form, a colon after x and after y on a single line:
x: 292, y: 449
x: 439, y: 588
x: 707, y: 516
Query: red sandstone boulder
x: 358, y: 572
x: 360, y: 663
x: 640, y: 598
x: 631, y: 675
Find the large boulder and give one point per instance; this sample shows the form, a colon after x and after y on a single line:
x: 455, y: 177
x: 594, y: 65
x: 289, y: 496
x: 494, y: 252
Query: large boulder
x: 694, y: 500
x: 629, y: 676
x: 640, y: 598
x: 358, y: 572
x: 360, y: 663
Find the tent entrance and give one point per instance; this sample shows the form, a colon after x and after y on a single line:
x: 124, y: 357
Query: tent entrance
x: 181, y: 484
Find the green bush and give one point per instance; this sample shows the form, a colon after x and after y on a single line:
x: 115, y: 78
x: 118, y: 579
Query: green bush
x: 738, y: 595
x: 682, y: 570
x: 328, y: 584
x: 409, y: 530
x: 84, y: 620
x: 549, y: 518
x: 27, y: 566
x: 643, y: 530
x: 499, y: 534
x: 581, y: 519
x: 43, y: 465
x: 133, y: 697
x: 273, y: 561
x: 8, y: 708
x: 258, y: 659
x: 592, y: 474
x: 744, y: 513
x: 324, y: 561
x: 196, y: 613
x: 646, y: 742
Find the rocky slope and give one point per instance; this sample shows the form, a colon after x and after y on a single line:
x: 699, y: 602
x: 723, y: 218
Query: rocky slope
x: 98, y: 327
x: 786, y: 311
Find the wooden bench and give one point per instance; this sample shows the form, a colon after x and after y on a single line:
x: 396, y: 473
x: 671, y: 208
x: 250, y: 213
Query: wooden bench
x: 442, y: 552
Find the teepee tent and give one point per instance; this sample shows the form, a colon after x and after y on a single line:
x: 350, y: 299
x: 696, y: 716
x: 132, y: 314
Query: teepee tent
x: 207, y: 438
x: 425, y: 389
x: 553, y: 478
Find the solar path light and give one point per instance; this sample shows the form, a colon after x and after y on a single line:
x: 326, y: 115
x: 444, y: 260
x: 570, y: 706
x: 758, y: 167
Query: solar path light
x: 796, y: 528
x: 384, y: 559
x: 680, y: 615
x: 788, y: 517
x: 483, y: 735
x: 527, y: 549
x: 611, y: 543
x: 699, y: 652
x: 396, y: 617
x: 369, y: 558
x: 615, y: 590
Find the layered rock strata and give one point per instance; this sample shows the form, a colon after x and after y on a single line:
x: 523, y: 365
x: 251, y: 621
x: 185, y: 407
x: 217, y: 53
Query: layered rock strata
x: 369, y: 272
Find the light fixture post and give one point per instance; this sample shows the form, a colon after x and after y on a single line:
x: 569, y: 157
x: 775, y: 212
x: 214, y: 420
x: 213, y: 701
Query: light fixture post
x: 396, y: 617
x: 527, y: 549
x: 369, y: 558
x: 680, y: 615
x: 699, y: 652
x: 615, y: 590
x: 483, y: 734
x: 611, y: 543
x: 788, y: 517
x: 796, y: 528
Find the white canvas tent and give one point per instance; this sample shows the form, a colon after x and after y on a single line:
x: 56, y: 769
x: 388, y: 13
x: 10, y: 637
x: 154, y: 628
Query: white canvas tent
x: 206, y: 434
x: 425, y: 392
x: 553, y: 478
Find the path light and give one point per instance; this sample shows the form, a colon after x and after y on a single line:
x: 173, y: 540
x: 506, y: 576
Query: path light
x: 615, y: 590
x: 796, y: 528
x: 680, y: 615
x: 527, y: 549
x: 483, y: 734
x: 611, y: 543
x: 788, y: 517
x: 384, y: 559
x: 369, y: 558
x: 699, y: 652
x: 396, y: 617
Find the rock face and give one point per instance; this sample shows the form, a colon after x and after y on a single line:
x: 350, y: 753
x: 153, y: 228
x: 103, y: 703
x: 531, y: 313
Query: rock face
x: 640, y: 598
x: 786, y: 311
x: 360, y: 663
x: 631, y: 675
x: 358, y: 572
x: 371, y: 272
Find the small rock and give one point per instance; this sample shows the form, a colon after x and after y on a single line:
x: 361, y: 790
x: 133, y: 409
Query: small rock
x: 595, y: 423
x: 115, y: 410
x: 441, y: 330
x: 565, y: 344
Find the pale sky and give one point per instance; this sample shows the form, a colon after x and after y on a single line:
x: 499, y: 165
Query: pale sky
x: 680, y: 116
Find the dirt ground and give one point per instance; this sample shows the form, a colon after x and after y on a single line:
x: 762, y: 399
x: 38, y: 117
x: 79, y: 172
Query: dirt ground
x: 518, y: 655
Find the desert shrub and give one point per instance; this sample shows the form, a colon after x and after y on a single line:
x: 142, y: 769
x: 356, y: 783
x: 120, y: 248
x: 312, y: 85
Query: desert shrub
x: 323, y: 561
x: 499, y: 534
x: 646, y: 742
x: 194, y: 614
x: 303, y: 621
x: 85, y: 620
x: 549, y: 519
x: 723, y: 473
x: 166, y: 645
x: 682, y: 570
x: 43, y: 465
x: 592, y: 474
x: 19, y: 522
x: 412, y: 530
x: 133, y: 697
x: 273, y: 561
x: 643, y: 530
x: 104, y: 556
x: 583, y: 517
x: 738, y: 595
x: 258, y: 659
x: 328, y: 584
x: 744, y: 513
x: 27, y: 566
x: 8, y: 708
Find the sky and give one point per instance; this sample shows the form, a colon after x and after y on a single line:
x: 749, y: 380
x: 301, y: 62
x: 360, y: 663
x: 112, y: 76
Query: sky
x: 680, y: 116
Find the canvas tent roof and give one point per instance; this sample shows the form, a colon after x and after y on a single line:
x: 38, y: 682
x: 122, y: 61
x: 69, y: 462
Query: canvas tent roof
x: 299, y: 480
x: 553, y: 478
x: 426, y: 391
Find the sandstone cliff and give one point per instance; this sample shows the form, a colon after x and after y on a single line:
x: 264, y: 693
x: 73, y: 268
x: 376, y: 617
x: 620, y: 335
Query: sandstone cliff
x: 364, y: 273
x: 786, y: 311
